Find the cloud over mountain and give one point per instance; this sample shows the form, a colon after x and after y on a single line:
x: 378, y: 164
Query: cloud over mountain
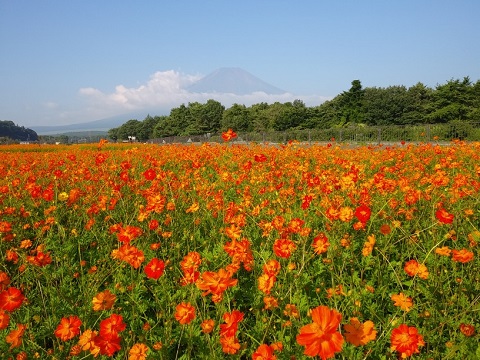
x: 168, y: 89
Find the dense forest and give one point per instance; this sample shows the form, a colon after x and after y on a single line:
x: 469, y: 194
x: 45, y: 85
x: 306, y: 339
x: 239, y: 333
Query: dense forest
x: 456, y: 100
x: 8, y: 130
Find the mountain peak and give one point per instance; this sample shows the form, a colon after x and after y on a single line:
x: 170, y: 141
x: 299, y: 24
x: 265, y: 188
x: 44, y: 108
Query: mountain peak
x: 233, y: 80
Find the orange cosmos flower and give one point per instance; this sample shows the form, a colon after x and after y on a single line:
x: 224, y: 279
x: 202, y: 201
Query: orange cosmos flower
x: 129, y: 233
x: 4, y: 319
x: 402, y: 301
x: 184, y: 313
x: 233, y: 232
x: 270, y: 302
x: 138, y: 352
x: 232, y: 319
x: 283, y: 248
x: 291, y: 311
x: 406, y: 340
x: 272, y: 267
x: 103, y: 300
x: 230, y: 344
x: 264, y: 352
x: 359, y: 334
x: 4, y: 280
x: 444, y: 216
x: 368, y: 246
x: 322, y: 337
x: 193, y: 208
x: 87, y: 342
x: 462, y: 256
x: 443, y: 251
x: 240, y: 252
x: 11, y: 299
x: 229, y: 135
x: 154, y: 269
x: 346, y: 214
x: 320, y: 244
x: 14, y: 337
x: 68, y: 328
x: 191, y: 261
x: 413, y: 268
x: 215, y: 282
x: 207, y: 326
x: 266, y: 282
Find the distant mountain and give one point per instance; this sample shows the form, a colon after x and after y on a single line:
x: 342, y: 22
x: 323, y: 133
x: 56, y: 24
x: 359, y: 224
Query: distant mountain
x: 234, y: 81
x: 97, y: 125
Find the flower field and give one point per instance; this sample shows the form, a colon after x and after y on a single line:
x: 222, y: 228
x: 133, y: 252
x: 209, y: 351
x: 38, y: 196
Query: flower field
x: 133, y: 251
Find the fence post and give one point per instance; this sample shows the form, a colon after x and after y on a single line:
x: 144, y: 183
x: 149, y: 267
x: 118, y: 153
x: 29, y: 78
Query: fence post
x: 379, y: 137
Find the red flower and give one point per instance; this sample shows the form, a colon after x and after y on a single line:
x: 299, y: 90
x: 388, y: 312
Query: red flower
x: 443, y: 216
x: 260, y: 158
x: 406, y: 340
x: 68, y: 328
x: 264, y: 352
x: 11, y: 299
x: 322, y: 337
x: 283, y: 248
x: 112, y: 325
x: 229, y: 135
x: 150, y: 174
x: 467, y: 329
x: 108, y: 345
x: 363, y: 213
x: 154, y: 269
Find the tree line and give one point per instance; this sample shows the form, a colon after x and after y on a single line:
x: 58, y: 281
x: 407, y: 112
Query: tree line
x: 10, y: 131
x: 456, y: 100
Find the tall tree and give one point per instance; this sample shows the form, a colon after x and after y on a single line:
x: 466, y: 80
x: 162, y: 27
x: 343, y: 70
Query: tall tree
x: 237, y: 117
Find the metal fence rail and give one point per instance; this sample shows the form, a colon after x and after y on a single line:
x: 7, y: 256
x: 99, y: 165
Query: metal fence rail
x: 467, y: 131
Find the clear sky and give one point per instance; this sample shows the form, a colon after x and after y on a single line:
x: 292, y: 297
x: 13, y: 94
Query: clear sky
x: 73, y: 61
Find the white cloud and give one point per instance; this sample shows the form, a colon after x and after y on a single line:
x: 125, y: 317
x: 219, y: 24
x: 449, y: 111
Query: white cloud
x: 50, y: 105
x: 167, y: 89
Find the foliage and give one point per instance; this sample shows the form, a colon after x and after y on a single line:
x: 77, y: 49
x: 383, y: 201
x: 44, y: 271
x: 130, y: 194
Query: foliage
x: 8, y: 129
x: 457, y: 100
x: 217, y: 251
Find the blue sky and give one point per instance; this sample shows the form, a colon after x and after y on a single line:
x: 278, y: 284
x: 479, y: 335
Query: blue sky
x: 75, y: 61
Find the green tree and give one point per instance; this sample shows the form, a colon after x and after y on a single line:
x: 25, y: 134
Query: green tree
x: 258, y: 113
x: 351, y: 102
x: 130, y: 128
x: 237, y: 117
x: 452, y: 101
x: 418, y: 99
x: 292, y: 115
x: 384, y: 106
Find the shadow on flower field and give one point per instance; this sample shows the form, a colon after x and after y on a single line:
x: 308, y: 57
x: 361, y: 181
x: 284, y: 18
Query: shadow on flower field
x: 217, y: 251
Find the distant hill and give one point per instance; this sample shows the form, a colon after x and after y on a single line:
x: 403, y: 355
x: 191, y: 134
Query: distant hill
x: 234, y: 81
x: 10, y: 130
x: 102, y: 125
